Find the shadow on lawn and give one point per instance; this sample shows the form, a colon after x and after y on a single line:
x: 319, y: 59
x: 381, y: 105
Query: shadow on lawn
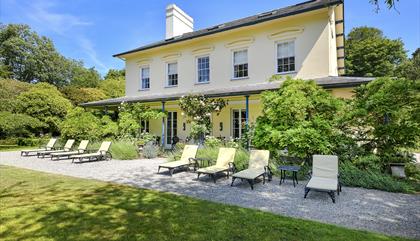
x: 114, y: 213
x: 38, y: 207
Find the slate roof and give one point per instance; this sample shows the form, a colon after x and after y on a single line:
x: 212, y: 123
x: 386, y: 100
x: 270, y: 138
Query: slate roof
x: 326, y: 82
x: 255, y: 19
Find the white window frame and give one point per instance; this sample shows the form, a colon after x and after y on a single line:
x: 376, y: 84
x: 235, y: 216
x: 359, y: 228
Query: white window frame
x: 167, y: 74
x: 232, y: 127
x: 141, y: 77
x: 197, y: 70
x: 276, y: 55
x: 233, y: 63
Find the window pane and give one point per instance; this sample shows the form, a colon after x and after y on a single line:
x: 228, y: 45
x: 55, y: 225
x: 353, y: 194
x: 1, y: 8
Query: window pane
x: 240, y: 57
x: 203, y: 70
x: 286, y: 57
x: 172, y: 68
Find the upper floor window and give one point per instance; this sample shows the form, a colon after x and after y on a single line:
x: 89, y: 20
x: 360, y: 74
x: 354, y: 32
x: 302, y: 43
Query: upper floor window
x: 203, y: 69
x: 286, y: 57
x: 172, y: 74
x: 145, y: 78
x: 240, y: 64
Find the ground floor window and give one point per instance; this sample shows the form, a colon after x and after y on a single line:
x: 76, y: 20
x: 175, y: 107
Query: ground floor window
x: 171, y: 124
x: 145, y: 126
x: 238, y: 123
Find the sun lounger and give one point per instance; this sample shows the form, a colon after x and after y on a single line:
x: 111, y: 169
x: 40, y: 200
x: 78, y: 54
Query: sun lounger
x: 324, y: 175
x: 257, y: 167
x: 66, y: 154
x: 223, y: 164
x: 67, y: 147
x: 49, y: 146
x: 101, y: 154
x: 186, y: 160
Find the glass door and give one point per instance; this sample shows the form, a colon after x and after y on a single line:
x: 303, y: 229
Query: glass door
x: 238, y: 123
x: 171, y: 124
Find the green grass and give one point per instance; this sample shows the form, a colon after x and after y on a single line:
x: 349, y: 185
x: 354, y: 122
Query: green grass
x: 40, y: 206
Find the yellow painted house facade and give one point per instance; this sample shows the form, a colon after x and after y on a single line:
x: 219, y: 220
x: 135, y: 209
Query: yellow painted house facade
x: 234, y: 61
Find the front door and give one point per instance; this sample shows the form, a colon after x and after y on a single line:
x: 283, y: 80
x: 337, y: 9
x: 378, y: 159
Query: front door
x: 171, y: 131
x: 238, y: 123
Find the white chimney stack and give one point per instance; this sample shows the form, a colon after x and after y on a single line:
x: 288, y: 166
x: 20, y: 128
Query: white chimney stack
x: 177, y: 21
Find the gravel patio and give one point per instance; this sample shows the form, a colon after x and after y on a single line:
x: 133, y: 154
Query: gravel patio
x: 378, y: 211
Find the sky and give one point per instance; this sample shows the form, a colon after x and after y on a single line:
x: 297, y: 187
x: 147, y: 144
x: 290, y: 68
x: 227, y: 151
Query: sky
x: 94, y: 30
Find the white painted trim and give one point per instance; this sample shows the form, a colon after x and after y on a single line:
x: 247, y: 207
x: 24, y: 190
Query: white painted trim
x: 286, y: 33
x: 241, y: 42
x: 141, y: 78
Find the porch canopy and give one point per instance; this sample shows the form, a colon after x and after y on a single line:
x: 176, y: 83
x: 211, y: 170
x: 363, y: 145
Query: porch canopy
x: 242, y: 90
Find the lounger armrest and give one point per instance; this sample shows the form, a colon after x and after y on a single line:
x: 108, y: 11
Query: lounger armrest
x: 232, y: 167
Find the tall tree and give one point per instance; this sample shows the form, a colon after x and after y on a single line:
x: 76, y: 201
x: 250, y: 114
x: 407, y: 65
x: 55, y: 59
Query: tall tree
x: 370, y: 53
x: 115, y: 74
x: 26, y: 56
x: 410, y: 69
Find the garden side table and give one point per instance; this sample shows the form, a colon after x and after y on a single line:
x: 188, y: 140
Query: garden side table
x: 293, y: 169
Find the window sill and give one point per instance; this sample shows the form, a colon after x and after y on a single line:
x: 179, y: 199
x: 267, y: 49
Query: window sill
x: 241, y: 78
x: 144, y: 89
x: 286, y: 73
x: 202, y: 83
x: 171, y: 86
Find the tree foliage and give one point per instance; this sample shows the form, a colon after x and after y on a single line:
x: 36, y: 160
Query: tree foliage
x: 9, y: 90
x: 28, y: 57
x: 44, y: 102
x: 386, y: 116
x: 369, y: 53
x: 82, y: 95
x: 81, y: 125
x: 410, y: 69
x: 115, y: 74
x: 300, y: 116
x: 113, y: 87
x: 19, y: 125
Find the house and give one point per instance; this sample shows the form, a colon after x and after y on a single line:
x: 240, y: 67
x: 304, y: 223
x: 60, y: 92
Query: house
x: 234, y: 60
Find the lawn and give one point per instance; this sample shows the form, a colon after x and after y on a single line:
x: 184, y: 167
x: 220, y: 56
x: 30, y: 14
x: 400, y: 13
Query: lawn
x: 16, y: 148
x: 40, y: 206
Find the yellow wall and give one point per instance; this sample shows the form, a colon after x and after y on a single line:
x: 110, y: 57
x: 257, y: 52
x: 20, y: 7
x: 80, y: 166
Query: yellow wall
x: 346, y: 93
x: 315, y: 55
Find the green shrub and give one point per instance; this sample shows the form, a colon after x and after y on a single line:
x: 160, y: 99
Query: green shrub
x: 369, y: 162
x: 150, y: 151
x: 123, y: 150
x: 300, y: 116
x: 241, y: 156
x: 81, y: 125
x: 109, y: 128
x: 18, y: 125
x: 212, y: 141
x: 352, y: 176
x: 31, y: 141
x: 44, y: 102
x: 81, y: 95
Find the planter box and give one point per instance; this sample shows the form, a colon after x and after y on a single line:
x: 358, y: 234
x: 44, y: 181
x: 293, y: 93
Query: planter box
x: 398, y: 170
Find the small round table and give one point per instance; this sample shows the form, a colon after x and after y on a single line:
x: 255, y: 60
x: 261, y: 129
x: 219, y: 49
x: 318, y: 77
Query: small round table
x: 293, y: 169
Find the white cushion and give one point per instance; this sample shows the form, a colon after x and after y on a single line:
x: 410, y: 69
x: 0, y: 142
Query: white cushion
x: 322, y: 183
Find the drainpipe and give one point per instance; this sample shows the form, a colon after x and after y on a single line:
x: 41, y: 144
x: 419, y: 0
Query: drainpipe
x: 163, y: 125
